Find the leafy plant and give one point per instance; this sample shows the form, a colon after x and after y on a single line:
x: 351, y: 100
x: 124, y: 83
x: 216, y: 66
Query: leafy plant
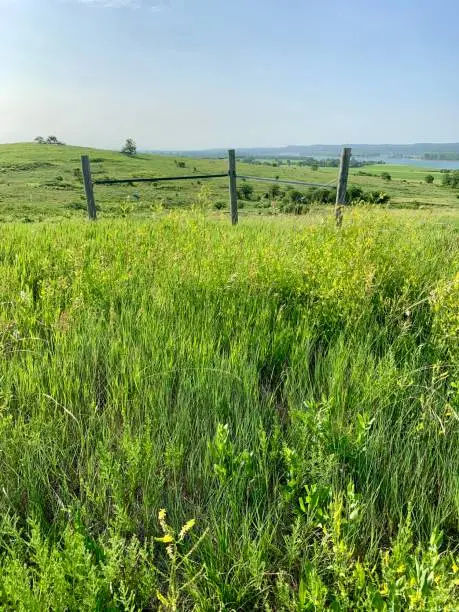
x: 245, y: 191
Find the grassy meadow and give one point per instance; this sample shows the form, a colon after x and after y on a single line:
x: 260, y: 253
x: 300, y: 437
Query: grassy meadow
x: 42, y: 183
x: 201, y: 417
x: 195, y: 416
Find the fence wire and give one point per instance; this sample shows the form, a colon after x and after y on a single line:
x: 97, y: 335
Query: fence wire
x: 287, y: 182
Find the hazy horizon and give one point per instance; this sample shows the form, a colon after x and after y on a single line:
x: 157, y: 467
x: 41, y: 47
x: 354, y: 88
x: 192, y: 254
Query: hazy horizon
x: 249, y: 147
x: 176, y: 75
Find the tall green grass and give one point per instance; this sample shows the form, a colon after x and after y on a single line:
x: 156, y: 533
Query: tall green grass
x: 291, y: 388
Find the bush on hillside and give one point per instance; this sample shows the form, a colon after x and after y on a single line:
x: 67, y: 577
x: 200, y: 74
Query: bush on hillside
x: 450, y: 179
x: 322, y: 195
x: 274, y: 192
x: 245, y: 191
x: 297, y: 197
x: 296, y: 208
x: 355, y: 193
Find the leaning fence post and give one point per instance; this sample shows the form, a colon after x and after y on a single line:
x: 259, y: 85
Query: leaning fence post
x: 232, y: 185
x: 342, y: 185
x: 88, y: 187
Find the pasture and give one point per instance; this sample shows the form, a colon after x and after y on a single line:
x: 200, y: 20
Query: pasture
x: 42, y: 183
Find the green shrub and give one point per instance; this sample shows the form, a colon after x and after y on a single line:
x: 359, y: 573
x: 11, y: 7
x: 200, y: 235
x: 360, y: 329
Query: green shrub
x: 274, y: 192
x: 297, y: 197
x: 355, y: 193
x: 297, y: 208
x: 245, y: 191
x: 322, y: 195
x: 450, y: 178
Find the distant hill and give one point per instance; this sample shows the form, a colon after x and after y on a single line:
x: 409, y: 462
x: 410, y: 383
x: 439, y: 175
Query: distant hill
x: 418, y: 150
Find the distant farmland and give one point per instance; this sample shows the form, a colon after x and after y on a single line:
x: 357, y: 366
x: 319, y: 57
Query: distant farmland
x: 43, y: 182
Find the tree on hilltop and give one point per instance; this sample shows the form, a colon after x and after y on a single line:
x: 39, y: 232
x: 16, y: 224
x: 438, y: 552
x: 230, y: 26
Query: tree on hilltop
x: 53, y: 140
x: 39, y: 140
x: 130, y: 147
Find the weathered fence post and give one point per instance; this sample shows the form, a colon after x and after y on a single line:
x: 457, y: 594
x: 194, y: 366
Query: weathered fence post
x: 342, y: 185
x: 233, y: 185
x: 88, y: 187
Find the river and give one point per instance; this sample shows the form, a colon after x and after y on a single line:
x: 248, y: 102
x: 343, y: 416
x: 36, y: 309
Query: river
x: 433, y: 164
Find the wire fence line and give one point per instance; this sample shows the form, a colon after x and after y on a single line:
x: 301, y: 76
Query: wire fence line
x: 286, y: 182
x: 330, y: 185
x: 340, y: 183
x: 158, y: 179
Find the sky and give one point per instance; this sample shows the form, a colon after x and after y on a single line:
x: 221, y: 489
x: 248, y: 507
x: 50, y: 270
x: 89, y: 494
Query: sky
x: 190, y: 74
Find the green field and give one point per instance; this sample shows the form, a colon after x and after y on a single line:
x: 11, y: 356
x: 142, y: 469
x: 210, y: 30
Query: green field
x: 38, y: 183
x: 195, y: 416
x: 290, y: 388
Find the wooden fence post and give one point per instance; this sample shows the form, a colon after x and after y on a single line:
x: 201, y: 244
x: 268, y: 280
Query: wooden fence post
x: 88, y: 187
x: 342, y: 185
x: 233, y: 185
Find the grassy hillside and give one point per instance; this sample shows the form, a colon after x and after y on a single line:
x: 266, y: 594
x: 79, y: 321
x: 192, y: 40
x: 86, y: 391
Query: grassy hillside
x: 38, y: 182
x: 289, y: 389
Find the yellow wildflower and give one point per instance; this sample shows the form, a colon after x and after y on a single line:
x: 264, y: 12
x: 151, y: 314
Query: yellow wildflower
x: 166, y: 539
x: 186, y: 528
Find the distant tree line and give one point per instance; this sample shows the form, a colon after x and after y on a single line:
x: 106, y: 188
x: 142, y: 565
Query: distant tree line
x: 51, y: 140
x: 441, y: 156
x: 312, y: 162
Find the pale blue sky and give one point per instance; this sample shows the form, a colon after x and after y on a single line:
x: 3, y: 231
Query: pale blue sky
x: 217, y: 73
